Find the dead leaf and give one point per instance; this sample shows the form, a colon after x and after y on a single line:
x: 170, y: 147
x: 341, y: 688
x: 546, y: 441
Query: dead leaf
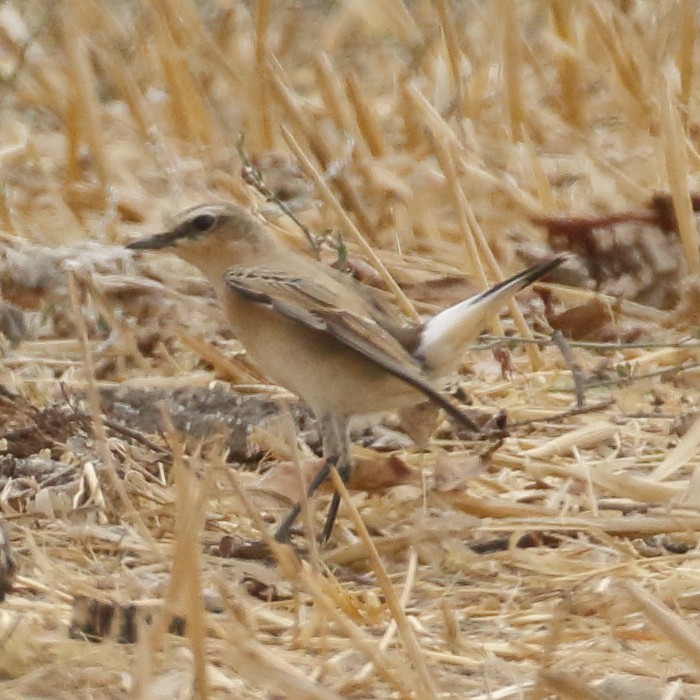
x: 419, y: 421
x: 683, y: 423
x: 372, y: 471
x: 375, y: 471
x: 234, y: 547
x: 584, y: 320
x: 453, y: 470
x: 268, y: 593
x: 284, y: 479
x: 502, y: 355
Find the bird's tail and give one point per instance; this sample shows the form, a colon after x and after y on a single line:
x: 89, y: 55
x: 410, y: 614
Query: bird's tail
x: 446, y: 335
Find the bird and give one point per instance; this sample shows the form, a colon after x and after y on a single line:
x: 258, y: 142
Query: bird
x: 323, y: 335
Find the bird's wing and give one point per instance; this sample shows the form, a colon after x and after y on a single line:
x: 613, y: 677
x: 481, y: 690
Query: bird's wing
x: 321, y: 307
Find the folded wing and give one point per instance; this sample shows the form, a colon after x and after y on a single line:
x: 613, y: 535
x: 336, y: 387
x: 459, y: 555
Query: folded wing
x: 321, y: 308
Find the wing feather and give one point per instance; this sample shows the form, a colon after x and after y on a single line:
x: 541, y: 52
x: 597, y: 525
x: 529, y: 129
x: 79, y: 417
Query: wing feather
x: 321, y: 308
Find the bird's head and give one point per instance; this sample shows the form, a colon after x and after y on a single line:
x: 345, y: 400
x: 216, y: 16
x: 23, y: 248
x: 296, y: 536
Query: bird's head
x: 209, y: 236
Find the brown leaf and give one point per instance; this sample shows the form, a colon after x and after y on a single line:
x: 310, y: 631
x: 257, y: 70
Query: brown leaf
x: 683, y: 423
x: 267, y: 592
x: 375, y: 471
x: 372, y: 471
x: 454, y: 470
x: 502, y: 355
x: 235, y: 547
x: 582, y: 321
x: 419, y: 421
x: 284, y: 478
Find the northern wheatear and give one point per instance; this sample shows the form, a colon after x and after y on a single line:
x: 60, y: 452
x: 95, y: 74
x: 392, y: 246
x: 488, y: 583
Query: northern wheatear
x: 323, y: 335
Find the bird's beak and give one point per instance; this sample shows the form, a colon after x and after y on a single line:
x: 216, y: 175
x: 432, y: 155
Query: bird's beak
x: 154, y: 242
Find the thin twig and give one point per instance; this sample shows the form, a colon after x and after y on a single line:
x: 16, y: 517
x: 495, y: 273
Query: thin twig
x: 558, y: 417
x: 649, y: 414
x: 348, y: 226
x: 636, y: 378
x: 492, y: 340
x: 576, y: 372
x: 254, y: 177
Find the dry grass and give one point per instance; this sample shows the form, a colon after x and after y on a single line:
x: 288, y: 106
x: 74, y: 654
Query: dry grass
x: 429, y: 135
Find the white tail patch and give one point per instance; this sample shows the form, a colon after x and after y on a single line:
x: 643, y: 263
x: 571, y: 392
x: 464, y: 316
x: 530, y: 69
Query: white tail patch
x: 446, y: 336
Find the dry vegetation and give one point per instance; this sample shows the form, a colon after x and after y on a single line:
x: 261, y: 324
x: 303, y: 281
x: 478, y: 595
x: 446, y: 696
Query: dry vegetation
x: 442, y: 144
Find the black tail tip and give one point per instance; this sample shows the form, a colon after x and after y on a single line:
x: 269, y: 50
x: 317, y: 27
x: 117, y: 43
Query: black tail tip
x: 536, y: 272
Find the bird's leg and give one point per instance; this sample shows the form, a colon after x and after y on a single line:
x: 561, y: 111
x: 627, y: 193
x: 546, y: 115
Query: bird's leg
x: 282, y: 534
x: 335, y: 440
x: 340, y: 447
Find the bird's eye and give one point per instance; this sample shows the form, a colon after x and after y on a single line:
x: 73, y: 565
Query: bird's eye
x: 203, y: 222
